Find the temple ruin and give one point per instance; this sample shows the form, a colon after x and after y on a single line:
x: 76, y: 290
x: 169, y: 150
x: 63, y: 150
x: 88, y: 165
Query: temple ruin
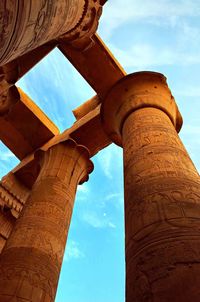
x: 135, y: 111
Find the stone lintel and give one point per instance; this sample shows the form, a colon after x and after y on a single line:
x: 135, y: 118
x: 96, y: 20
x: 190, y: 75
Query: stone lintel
x: 86, y: 131
x: 14, y: 70
x: 86, y: 107
x: 23, y: 125
x: 96, y: 64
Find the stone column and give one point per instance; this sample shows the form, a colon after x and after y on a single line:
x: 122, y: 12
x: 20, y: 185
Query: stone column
x: 162, y: 191
x: 31, y: 260
x: 27, y: 24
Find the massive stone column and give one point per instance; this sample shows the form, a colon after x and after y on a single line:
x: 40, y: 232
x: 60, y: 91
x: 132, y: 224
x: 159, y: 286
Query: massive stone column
x: 162, y: 191
x: 27, y: 24
x: 31, y: 260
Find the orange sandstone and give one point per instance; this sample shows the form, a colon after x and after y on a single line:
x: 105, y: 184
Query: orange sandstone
x: 31, y: 260
x: 162, y: 191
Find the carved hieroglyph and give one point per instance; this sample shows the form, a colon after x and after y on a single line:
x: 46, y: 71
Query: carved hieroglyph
x: 27, y: 24
x: 31, y: 260
x: 162, y: 191
x: 13, y: 196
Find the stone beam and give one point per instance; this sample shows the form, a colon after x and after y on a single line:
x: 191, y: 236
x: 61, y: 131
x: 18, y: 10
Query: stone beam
x: 23, y: 125
x: 14, y: 70
x: 26, y: 25
x: 86, y: 107
x: 96, y: 64
x: 87, y: 131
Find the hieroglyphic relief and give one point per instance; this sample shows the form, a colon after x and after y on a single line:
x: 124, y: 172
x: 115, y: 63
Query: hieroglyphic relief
x: 156, y: 213
x: 81, y: 36
x: 162, y: 191
x: 26, y: 25
x: 46, y: 218
x: 13, y: 196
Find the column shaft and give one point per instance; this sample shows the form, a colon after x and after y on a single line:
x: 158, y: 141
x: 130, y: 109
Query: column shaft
x: 31, y: 261
x: 162, y: 191
x: 162, y: 211
x: 27, y: 24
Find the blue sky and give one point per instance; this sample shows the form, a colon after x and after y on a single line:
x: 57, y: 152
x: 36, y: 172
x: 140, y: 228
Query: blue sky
x: 158, y: 35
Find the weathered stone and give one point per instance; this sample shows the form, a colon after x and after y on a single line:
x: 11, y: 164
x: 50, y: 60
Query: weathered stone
x: 14, y: 70
x: 23, y: 125
x: 107, y: 69
x: 13, y: 196
x: 162, y: 191
x: 87, y: 131
x: 31, y: 260
x: 25, y: 25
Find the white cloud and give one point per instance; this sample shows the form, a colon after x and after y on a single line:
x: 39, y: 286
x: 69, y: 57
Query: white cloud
x: 84, y: 188
x: 184, y: 48
x: 110, y: 159
x: 97, y: 220
x: 7, y: 155
x: 7, y: 160
x: 56, y: 80
x: 73, y: 251
x: 112, y: 196
x: 143, y: 56
x: 154, y: 11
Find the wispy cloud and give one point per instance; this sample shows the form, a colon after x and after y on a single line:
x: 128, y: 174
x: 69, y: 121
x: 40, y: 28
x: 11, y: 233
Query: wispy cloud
x: 97, y: 220
x: 110, y: 159
x: 7, y: 155
x: 84, y: 188
x: 7, y: 160
x: 56, y: 80
x: 157, y: 12
x: 73, y: 251
x: 112, y: 196
x: 172, y: 19
x: 116, y: 199
x: 142, y: 56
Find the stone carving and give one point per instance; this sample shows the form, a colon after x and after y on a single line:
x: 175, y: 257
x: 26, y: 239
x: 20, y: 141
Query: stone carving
x: 13, y: 196
x: 81, y: 36
x: 26, y: 25
x: 7, y: 221
x: 162, y: 191
x: 8, y: 96
x: 31, y: 260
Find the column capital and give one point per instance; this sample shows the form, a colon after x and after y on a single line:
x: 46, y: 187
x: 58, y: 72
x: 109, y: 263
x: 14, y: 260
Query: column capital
x: 38, y: 251
x: 55, y: 160
x: 136, y: 91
